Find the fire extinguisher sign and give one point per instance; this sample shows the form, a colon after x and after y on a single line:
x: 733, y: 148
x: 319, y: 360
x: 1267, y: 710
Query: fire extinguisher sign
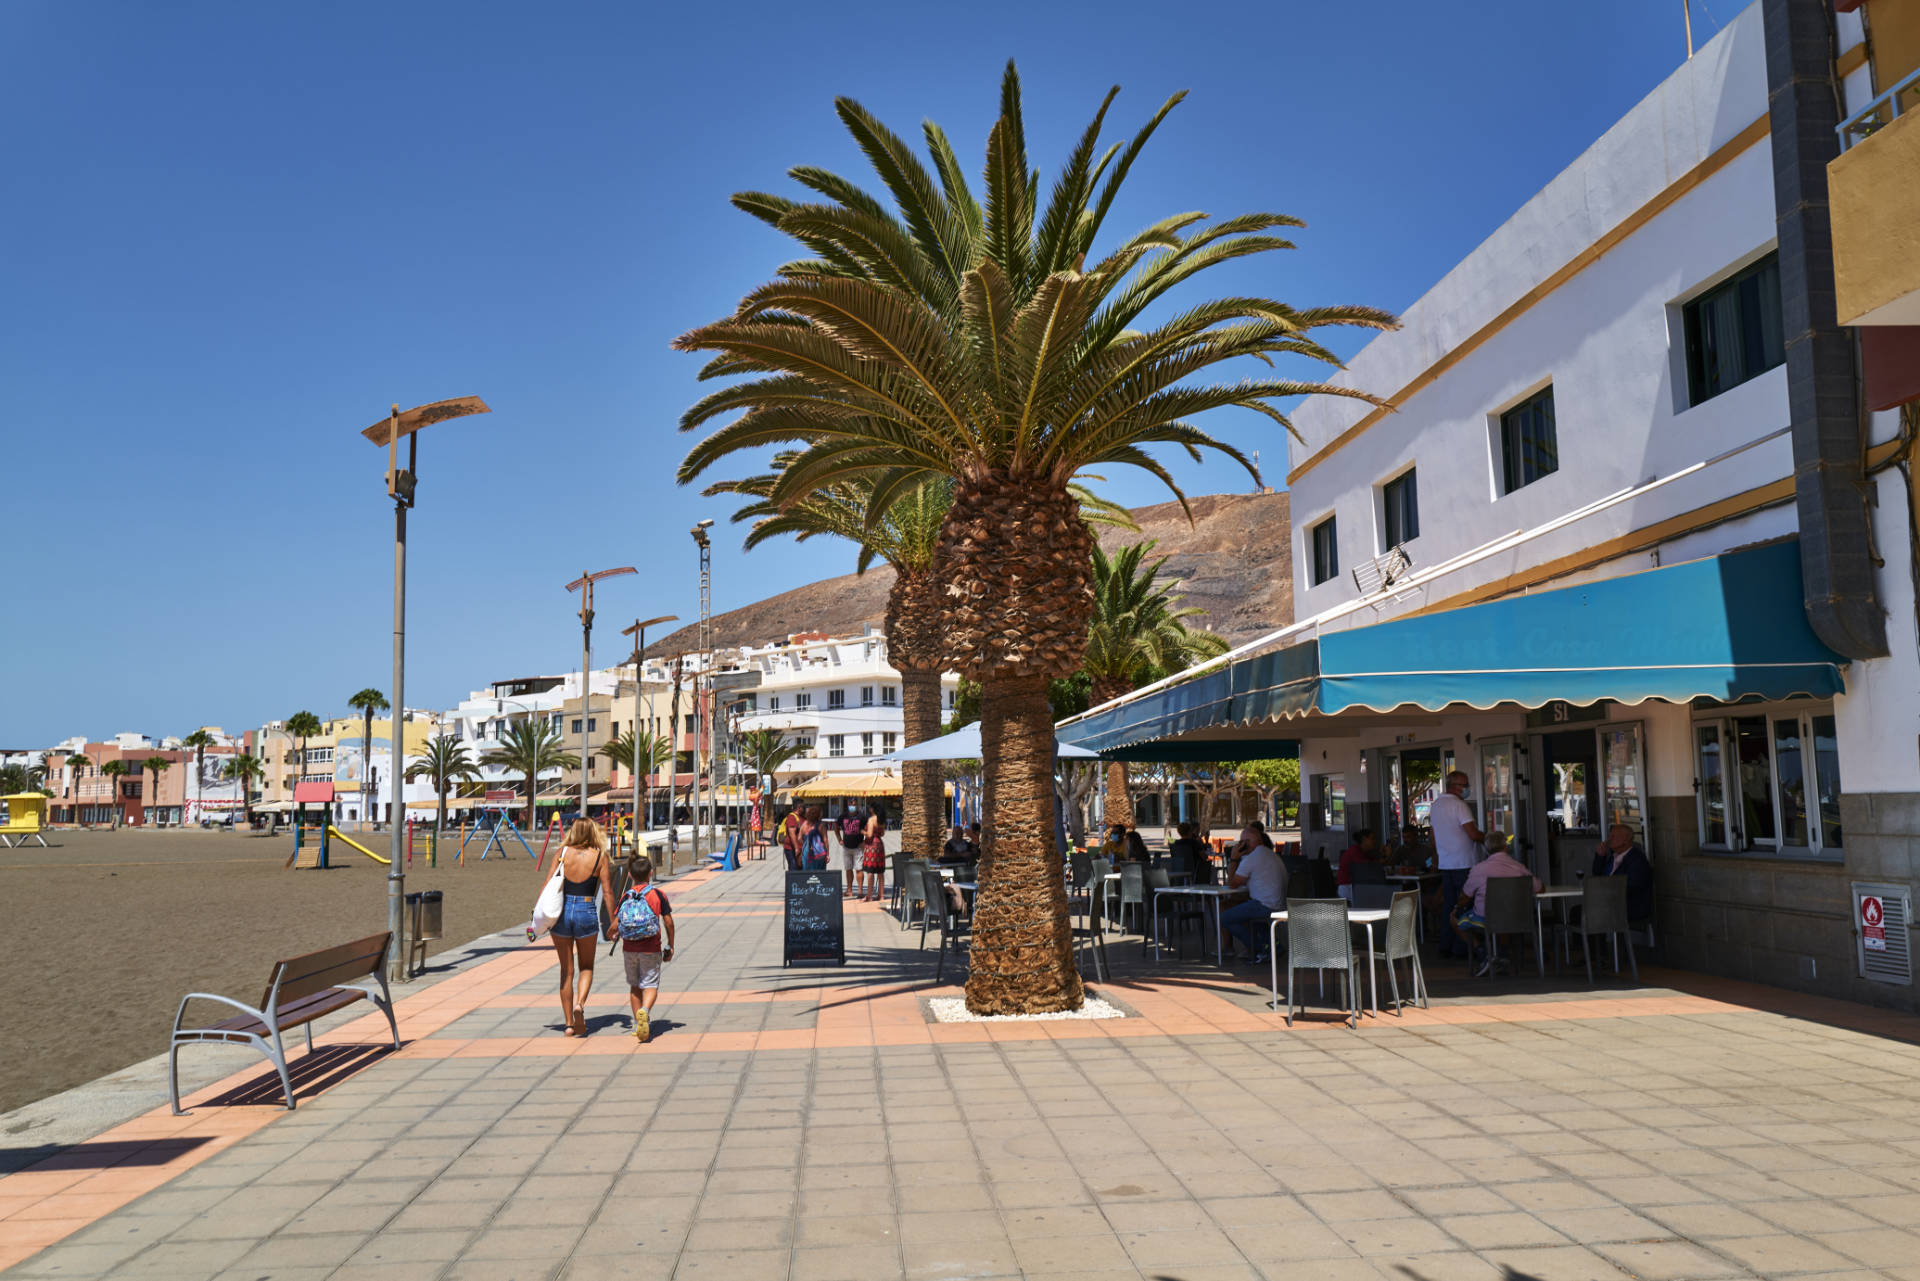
x: 1873, y: 930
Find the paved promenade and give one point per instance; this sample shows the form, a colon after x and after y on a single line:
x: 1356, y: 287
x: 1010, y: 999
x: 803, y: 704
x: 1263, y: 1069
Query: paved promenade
x: 812, y: 1125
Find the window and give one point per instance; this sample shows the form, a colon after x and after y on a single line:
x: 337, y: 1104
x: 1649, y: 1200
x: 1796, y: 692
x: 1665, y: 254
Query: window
x: 1528, y: 446
x: 889, y: 741
x: 888, y: 695
x: 1769, y: 782
x: 866, y: 745
x: 803, y: 702
x: 836, y: 745
x: 836, y: 699
x: 1326, y: 551
x: 1734, y: 331
x: 693, y: 723
x: 866, y: 696
x: 773, y: 702
x: 576, y: 724
x: 1400, y: 503
x: 592, y: 726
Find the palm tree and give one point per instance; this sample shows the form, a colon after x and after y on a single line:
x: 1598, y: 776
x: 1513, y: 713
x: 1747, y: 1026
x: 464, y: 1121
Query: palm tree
x: 303, y: 726
x: 445, y: 763
x: 114, y: 770
x: 243, y: 769
x: 655, y: 751
x: 199, y: 741
x: 77, y: 762
x: 156, y: 766
x: 531, y: 748
x: 984, y: 342
x: 1138, y: 634
x: 369, y: 701
x: 20, y: 778
x: 766, y: 750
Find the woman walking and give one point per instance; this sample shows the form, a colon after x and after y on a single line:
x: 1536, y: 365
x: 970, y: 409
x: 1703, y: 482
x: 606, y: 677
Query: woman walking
x: 582, y: 861
x: 873, y: 853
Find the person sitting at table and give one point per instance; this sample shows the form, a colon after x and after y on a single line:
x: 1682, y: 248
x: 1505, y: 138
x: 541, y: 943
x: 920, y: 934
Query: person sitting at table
x: 1257, y: 869
x: 1470, y: 913
x: 1621, y: 855
x: 1188, y: 854
x: 1365, y: 849
x: 958, y: 848
x: 1414, y: 851
x: 1136, y: 846
x: 1114, y: 848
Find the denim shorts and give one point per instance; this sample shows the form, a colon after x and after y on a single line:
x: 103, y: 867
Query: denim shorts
x: 579, y: 918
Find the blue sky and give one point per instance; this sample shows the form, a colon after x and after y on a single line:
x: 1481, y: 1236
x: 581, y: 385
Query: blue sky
x: 235, y: 233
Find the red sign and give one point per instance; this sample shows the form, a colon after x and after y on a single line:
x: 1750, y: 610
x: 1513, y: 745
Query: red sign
x: 1873, y: 930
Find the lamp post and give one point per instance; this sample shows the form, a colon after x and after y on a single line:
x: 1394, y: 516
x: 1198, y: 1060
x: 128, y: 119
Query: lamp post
x: 401, y: 482
x: 639, y: 633
x: 584, y: 585
x: 702, y: 721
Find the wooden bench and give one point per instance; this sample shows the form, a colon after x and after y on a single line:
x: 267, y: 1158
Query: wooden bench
x: 302, y: 989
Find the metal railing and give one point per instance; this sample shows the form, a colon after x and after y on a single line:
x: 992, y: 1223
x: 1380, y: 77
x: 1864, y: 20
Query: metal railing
x: 1879, y: 113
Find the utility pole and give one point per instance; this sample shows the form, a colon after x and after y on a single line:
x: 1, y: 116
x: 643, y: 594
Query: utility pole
x: 639, y: 633
x: 584, y: 585
x: 702, y: 716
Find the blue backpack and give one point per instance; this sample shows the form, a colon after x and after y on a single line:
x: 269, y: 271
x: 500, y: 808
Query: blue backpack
x: 637, y: 919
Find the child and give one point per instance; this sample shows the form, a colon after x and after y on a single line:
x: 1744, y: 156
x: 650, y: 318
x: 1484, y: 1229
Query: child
x: 644, y: 955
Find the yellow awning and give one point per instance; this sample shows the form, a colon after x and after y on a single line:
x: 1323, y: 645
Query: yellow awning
x: 877, y: 783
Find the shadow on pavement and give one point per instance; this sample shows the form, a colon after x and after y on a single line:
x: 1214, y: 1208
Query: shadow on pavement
x: 97, y: 1156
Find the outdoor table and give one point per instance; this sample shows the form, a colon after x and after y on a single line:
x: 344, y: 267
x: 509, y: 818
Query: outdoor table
x: 1364, y: 916
x: 1204, y: 893
x: 1558, y: 893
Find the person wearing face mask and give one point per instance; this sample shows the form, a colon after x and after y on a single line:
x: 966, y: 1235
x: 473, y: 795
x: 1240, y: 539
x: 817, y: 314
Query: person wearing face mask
x: 1456, y: 842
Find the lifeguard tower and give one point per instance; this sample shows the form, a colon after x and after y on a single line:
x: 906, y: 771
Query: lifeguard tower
x: 312, y: 818
x: 26, y: 815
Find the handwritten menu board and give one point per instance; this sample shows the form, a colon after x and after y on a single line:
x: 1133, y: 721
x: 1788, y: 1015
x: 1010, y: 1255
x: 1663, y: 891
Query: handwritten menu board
x: 815, y: 929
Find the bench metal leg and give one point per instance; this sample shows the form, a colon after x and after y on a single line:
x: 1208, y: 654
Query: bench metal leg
x: 173, y: 1076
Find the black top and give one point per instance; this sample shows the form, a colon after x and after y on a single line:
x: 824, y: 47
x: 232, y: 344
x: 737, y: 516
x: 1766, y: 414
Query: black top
x: 1639, y: 873
x: 584, y: 888
x: 958, y: 851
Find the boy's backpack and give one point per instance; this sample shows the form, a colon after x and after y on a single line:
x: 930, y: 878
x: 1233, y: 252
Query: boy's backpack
x: 850, y: 828
x: 637, y: 920
x: 816, y: 844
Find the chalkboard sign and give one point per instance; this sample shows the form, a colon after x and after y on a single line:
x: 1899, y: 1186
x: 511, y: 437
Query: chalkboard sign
x: 815, y: 929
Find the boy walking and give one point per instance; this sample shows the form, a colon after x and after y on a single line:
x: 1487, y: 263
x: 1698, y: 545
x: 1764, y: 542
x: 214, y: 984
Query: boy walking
x: 645, y: 920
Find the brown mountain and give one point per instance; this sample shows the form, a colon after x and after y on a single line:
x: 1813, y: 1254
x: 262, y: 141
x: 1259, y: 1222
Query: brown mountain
x: 1234, y: 561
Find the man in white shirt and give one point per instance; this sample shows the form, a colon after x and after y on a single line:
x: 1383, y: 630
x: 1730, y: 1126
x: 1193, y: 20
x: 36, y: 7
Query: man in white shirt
x: 1263, y: 876
x: 1456, y: 843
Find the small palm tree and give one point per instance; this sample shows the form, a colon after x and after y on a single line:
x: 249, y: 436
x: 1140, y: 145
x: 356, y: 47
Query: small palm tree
x: 654, y: 752
x: 199, y: 741
x: 1138, y: 635
x: 156, y: 766
x: 445, y: 763
x: 114, y: 771
x: 766, y: 750
x: 986, y: 341
x: 367, y: 702
x: 243, y: 769
x: 303, y: 726
x: 77, y: 763
x: 531, y: 748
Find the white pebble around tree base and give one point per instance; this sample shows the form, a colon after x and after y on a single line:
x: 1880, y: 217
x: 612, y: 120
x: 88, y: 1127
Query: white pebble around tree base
x: 953, y: 1009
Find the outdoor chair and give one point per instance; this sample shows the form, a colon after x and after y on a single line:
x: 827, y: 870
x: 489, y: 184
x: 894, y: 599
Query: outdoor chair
x: 1371, y: 897
x: 897, y: 893
x: 1369, y: 874
x: 1510, y: 910
x: 1319, y: 937
x: 1603, y: 910
x: 1402, y: 944
x: 945, y: 918
x: 915, y: 866
x: 1133, y: 893
x: 1175, y: 911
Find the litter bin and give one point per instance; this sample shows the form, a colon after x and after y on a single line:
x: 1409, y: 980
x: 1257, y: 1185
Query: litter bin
x: 424, y: 908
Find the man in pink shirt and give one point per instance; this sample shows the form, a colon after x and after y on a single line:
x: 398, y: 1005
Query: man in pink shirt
x: 1471, y: 912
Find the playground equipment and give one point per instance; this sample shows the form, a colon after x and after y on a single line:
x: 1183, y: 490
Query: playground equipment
x: 26, y: 814
x: 423, y: 839
x: 312, y: 821
x: 496, y: 820
x: 553, y: 830
x: 339, y: 835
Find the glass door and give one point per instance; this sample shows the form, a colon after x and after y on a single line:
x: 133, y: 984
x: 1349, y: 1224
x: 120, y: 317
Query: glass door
x: 1710, y: 788
x: 1622, y: 779
x: 1497, y: 802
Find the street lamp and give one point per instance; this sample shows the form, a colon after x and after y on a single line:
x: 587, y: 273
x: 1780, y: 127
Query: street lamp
x: 639, y: 633
x: 584, y: 585
x: 401, y: 483
x: 699, y: 532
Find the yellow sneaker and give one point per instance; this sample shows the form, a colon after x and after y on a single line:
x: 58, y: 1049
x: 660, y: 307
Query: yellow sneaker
x: 641, y: 1032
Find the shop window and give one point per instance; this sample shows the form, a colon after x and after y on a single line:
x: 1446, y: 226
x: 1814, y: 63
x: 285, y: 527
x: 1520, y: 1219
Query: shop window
x: 1496, y: 787
x: 1769, y: 782
x: 1326, y: 551
x: 1529, y: 448
x: 1333, y: 800
x: 1734, y: 331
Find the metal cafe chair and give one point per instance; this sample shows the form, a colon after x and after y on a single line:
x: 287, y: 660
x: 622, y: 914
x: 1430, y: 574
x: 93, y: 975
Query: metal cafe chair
x: 1603, y: 910
x: 1319, y: 937
x: 1510, y: 910
x: 1402, y: 944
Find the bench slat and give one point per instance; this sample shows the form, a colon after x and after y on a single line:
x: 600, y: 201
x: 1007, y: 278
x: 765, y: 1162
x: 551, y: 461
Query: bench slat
x: 301, y: 976
x: 302, y: 1011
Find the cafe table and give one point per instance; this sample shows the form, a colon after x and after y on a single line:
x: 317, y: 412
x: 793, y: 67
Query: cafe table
x: 1206, y: 894
x: 1355, y: 916
x: 1559, y: 894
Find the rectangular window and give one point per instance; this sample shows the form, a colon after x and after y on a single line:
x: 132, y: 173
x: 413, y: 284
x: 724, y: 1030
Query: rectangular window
x: 836, y: 699
x: 889, y: 741
x: 866, y: 745
x: 1734, y: 331
x: 592, y: 727
x: 1400, y: 501
x: 803, y: 702
x: 576, y: 724
x: 1769, y: 783
x: 773, y: 702
x: 887, y: 695
x: 836, y: 745
x: 1529, y: 448
x: 1326, y: 551
x: 866, y: 696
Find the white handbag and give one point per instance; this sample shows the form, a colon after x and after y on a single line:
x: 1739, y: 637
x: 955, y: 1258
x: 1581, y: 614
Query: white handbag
x: 552, y: 900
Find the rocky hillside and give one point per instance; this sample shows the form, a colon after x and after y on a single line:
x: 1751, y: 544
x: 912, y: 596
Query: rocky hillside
x: 1233, y: 562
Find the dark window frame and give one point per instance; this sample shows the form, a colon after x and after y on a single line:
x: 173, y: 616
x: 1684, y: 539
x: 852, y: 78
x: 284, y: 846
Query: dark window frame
x: 1749, y: 304
x: 1323, y: 553
x: 1529, y: 441
x: 1400, y: 509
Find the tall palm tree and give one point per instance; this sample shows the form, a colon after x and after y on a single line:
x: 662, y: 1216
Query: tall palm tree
x: 243, y: 768
x: 531, y: 748
x: 445, y: 763
x: 654, y: 752
x: 986, y: 342
x: 1138, y: 634
x: 114, y: 771
x: 369, y: 701
x: 156, y: 766
x: 77, y: 762
x: 766, y: 750
x: 303, y: 726
x: 199, y: 741
x: 20, y: 778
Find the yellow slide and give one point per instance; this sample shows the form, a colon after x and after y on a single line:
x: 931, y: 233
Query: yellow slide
x: 339, y: 835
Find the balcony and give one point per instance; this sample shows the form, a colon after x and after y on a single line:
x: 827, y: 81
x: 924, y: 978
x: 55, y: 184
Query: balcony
x: 1874, y: 188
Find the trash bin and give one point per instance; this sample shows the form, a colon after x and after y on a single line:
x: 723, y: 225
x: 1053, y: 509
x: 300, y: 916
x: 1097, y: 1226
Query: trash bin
x: 425, y: 909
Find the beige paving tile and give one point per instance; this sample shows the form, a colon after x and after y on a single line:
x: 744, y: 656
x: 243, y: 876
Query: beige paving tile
x: 1668, y: 1260
x: 1782, y: 1253
x: 1489, y: 1231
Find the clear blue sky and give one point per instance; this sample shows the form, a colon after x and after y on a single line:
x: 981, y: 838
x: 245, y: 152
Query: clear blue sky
x: 235, y: 233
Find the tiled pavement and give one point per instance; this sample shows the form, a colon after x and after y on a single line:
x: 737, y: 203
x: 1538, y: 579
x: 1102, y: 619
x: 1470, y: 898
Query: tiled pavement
x: 810, y: 1125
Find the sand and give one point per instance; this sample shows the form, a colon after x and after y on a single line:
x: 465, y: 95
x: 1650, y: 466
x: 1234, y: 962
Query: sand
x: 108, y: 930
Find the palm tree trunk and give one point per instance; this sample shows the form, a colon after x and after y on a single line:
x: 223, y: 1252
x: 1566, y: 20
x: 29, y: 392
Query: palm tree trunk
x: 1023, y: 940
x: 922, y: 808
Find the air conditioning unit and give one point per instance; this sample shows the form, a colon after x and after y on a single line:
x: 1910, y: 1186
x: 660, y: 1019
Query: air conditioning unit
x: 1883, y: 941
x: 1383, y: 571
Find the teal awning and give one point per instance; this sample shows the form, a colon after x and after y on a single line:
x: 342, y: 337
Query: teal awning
x: 1728, y: 627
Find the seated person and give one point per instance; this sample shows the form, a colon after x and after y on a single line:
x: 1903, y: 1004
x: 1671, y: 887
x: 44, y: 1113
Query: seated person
x: 1470, y: 914
x: 1114, y: 848
x: 1136, y: 846
x: 1260, y: 873
x: 1414, y: 852
x: 1189, y: 854
x: 1621, y: 855
x: 1365, y: 849
x: 958, y: 848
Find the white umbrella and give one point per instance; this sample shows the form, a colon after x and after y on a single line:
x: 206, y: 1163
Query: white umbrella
x: 964, y: 745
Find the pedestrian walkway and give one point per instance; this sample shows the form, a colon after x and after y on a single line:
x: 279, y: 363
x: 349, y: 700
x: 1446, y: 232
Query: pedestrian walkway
x: 811, y: 1124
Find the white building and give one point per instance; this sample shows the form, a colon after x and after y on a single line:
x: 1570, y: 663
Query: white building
x: 1613, y: 554
x: 485, y: 715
